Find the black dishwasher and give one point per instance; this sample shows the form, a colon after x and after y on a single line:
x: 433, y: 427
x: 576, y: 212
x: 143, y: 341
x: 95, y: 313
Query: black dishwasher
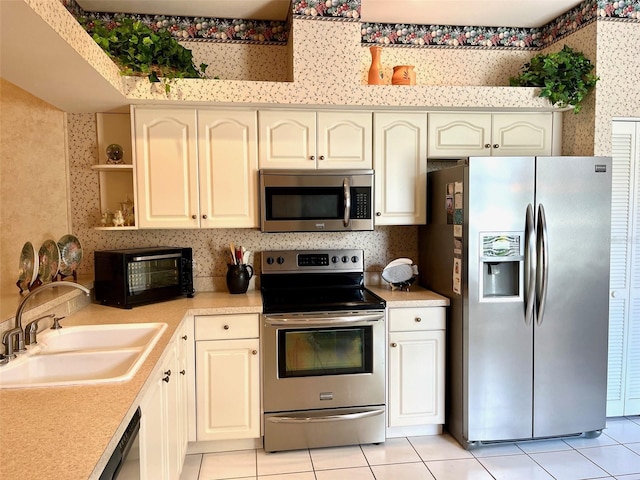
x: 124, y: 463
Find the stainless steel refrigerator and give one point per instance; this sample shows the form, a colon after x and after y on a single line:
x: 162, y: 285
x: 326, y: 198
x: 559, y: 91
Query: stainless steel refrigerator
x: 521, y: 247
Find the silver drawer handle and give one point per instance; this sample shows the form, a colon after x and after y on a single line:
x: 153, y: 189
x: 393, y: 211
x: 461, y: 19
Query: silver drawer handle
x: 327, y: 418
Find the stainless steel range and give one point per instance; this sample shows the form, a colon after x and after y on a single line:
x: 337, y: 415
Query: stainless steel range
x: 323, y: 342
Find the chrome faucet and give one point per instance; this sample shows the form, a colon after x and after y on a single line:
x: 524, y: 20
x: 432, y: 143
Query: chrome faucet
x: 31, y: 329
x: 13, y: 340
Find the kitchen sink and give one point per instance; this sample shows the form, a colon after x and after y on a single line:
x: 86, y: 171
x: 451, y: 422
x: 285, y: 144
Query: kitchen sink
x: 86, y: 337
x: 90, y: 354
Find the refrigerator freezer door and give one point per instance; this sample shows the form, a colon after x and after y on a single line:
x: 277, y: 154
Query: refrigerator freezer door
x: 498, y: 345
x: 570, y: 338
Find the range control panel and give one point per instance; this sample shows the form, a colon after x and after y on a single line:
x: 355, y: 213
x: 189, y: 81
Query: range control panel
x: 316, y: 261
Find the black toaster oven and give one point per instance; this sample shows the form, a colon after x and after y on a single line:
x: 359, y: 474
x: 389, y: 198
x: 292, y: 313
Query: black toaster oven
x: 136, y: 276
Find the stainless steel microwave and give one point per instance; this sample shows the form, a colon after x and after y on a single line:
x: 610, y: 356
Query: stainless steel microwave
x: 137, y: 276
x: 316, y: 200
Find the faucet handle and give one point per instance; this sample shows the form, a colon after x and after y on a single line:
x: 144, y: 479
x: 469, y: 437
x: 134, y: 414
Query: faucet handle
x: 31, y: 329
x: 56, y: 323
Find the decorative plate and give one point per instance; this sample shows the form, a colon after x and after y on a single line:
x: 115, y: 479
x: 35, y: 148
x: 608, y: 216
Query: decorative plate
x: 70, y: 254
x: 28, y: 267
x: 49, y: 261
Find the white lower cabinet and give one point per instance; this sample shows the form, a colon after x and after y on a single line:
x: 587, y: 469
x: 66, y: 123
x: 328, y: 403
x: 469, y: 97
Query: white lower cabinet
x: 415, y: 369
x: 227, y: 377
x: 162, y: 445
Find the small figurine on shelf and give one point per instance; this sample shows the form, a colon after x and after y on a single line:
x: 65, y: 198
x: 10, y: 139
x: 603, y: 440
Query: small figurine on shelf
x: 118, y: 219
x: 107, y: 218
x: 127, y: 211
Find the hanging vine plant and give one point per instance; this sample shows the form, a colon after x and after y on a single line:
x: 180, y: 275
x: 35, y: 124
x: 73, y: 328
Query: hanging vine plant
x: 564, y: 77
x: 140, y: 51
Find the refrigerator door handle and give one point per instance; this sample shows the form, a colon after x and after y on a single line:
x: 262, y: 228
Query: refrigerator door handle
x: 530, y: 265
x: 543, y: 259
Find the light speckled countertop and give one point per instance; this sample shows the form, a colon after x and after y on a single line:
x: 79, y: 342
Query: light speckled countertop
x: 68, y: 432
x: 415, y: 297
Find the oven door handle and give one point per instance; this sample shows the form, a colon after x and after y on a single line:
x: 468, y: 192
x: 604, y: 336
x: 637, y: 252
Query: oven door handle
x: 326, y: 418
x: 322, y: 321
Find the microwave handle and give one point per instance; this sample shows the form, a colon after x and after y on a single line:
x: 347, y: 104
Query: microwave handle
x: 156, y: 257
x: 347, y: 202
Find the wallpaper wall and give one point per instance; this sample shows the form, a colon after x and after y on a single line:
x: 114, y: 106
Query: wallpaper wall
x: 33, y: 177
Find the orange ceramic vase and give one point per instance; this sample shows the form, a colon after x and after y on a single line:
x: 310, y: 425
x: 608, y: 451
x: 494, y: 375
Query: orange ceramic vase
x: 403, y: 75
x: 376, y: 77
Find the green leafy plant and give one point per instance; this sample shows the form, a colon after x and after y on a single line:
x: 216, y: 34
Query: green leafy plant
x: 140, y: 50
x: 565, y: 77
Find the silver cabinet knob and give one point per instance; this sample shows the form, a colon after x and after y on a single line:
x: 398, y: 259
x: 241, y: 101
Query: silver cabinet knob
x: 226, y: 327
x: 204, y: 216
x: 418, y: 319
x: 487, y: 145
x: 194, y: 216
x: 312, y: 157
x: 321, y: 157
x: 495, y: 145
x: 378, y: 214
x: 184, y: 337
x: 254, y: 352
x: 183, y: 372
x: 394, y: 344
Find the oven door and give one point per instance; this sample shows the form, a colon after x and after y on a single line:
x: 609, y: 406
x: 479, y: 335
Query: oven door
x: 323, y: 360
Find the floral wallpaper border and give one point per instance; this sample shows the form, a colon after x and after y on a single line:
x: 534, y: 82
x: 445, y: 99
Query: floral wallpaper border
x: 400, y: 35
x: 199, y: 29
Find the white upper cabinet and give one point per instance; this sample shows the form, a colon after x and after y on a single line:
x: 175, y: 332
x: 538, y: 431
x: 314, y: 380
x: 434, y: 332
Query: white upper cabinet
x: 315, y: 140
x: 196, y: 168
x: 228, y: 165
x: 462, y: 134
x: 400, y: 153
x: 166, y: 167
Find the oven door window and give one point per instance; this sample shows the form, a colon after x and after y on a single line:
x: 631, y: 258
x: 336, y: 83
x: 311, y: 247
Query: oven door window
x: 153, y: 274
x: 325, y: 351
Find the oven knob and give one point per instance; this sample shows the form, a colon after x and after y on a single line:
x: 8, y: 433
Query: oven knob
x: 335, y: 259
x: 354, y: 259
x: 280, y: 260
x: 270, y: 260
x: 345, y: 259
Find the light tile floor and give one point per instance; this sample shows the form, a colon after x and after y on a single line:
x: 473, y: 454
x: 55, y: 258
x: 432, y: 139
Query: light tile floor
x: 613, y: 455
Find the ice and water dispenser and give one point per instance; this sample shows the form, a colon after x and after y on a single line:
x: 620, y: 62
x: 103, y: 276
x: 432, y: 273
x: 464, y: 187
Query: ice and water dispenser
x: 501, y: 259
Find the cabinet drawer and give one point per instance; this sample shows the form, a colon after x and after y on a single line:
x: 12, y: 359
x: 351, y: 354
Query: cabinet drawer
x: 424, y: 318
x: 223, y: 327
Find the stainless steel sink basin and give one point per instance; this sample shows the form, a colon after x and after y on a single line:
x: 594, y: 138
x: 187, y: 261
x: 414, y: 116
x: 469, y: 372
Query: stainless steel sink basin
x: 90, y: 354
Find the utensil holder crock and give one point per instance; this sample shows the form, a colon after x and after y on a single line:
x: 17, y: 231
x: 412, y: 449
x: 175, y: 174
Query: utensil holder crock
x: 238, y: 277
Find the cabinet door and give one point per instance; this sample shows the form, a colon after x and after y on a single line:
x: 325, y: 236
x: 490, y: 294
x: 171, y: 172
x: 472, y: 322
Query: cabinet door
x: 184, y: 348
x: 401, y: 168
x: 460, y: 134
x: 152, y: 434
x: 416, y: 378
x: 344, y: 140
x: 160, y: 455
x: 287, y: 139
x: 227, y: 389
x: 515, y: 134
x: 166, y: 168
x: 228, y: 165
